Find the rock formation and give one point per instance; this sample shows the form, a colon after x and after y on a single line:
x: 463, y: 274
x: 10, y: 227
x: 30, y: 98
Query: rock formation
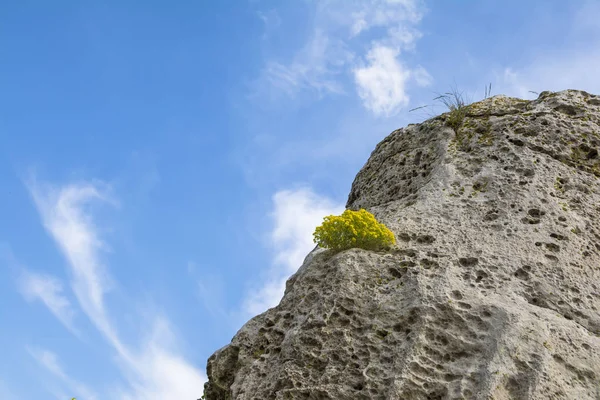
x: 492, y: 291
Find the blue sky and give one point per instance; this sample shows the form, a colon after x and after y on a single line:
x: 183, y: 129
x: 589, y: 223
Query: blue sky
x: 164, y: 164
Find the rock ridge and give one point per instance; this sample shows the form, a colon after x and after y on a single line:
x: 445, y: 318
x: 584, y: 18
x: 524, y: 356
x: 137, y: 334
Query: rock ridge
x: 493, y: 289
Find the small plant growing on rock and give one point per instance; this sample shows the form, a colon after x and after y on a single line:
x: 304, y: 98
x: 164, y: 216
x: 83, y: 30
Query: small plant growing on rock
x: 457, y: 106
x: 353, y: 229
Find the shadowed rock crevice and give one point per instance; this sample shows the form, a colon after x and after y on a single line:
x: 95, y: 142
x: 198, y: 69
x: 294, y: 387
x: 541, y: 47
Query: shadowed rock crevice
x: 492, y: 291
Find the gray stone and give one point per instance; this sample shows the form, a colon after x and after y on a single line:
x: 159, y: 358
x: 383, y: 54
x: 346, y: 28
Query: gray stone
x: 491, y: 292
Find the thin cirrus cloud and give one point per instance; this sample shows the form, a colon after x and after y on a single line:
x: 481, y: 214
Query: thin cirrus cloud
x: 74, y: 232
x: 296, y: 213
x: 155, y: 370
x: 314, y: 67
x: 50, y: 361
x: 336, y: 49
x: 50, y: 291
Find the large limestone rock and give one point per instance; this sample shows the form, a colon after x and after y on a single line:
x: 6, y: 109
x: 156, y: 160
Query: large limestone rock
x: 493, y: 291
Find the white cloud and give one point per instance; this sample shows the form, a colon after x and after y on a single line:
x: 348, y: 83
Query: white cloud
x: 335, y: 46
x: 49, y: 290
x: 381, y: 84
x: 155, y: 371
x: 49, y: 360
x: 64, y: 217
x: 403, y: 37
x: 296, y: 214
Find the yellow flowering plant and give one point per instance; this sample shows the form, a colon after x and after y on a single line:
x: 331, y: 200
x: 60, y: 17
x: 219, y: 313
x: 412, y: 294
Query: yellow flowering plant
x: 353, y: 229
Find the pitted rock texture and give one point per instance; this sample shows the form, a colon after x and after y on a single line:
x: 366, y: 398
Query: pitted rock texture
x: 492, y: 291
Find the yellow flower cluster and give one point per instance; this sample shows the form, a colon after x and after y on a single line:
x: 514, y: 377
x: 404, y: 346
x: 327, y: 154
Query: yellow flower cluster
x: 353, y: 229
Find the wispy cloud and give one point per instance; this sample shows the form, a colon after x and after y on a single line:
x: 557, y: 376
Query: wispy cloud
x: 48, y: 290
x: 336, y: 48
x: 49, y: 361
x: 271, y: 19
x: 296, y: 214
x: 314, y: 67
x: 63, y: 212
x: 361, y: 16
x: 158, y: 371
x: 155, y: 370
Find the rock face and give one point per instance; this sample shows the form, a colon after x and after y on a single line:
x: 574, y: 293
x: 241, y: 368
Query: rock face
x: 493, y: 289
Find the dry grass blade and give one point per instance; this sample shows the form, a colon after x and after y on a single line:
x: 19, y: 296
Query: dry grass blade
x: 488, y: 91
x: 418, y: 108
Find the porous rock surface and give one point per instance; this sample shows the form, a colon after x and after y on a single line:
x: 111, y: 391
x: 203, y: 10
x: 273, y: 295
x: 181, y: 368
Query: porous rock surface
x: 492, y: 291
